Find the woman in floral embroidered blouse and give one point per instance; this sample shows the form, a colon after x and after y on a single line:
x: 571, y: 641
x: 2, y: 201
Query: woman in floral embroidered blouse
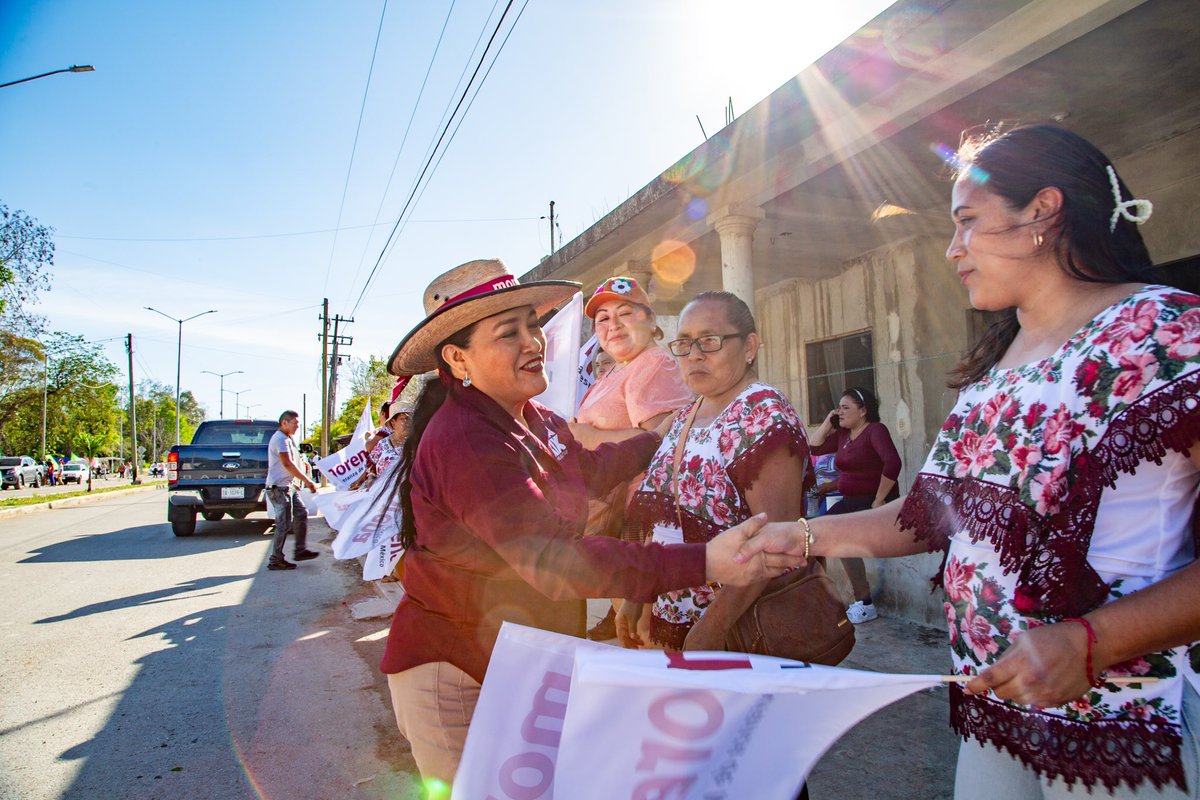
x: 1061, y: 488
x: 746, y: 452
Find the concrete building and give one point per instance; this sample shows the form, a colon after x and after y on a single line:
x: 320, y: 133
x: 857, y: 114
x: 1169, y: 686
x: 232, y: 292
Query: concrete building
x: 826, y: 205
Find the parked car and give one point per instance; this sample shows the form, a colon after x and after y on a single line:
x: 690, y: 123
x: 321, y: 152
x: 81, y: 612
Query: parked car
x: 19, y: 472
x: 73, y: 472
x: 222, y: 472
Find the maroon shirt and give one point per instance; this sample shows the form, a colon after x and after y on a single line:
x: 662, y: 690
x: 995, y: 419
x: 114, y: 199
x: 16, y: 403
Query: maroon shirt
x: 861, y: 461
x: 499, y: 516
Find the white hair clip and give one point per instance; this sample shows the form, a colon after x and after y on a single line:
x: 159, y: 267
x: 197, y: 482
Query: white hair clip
x: 1136, y: 211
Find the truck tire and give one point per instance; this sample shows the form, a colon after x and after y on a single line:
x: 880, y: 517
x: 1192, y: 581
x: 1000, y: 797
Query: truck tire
x: 20, y: 481
x: 184, y: 527
x: 212, y: 516
x: 37, y: 481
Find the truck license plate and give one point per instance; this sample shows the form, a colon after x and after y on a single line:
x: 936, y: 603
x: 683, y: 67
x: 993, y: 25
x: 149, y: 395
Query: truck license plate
x: 233, y: 493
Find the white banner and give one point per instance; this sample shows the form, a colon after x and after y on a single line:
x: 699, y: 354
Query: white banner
x: 562, y: 342
x: 512, y: 745
x: 381, y: 560
x: 348, y: 464
x: 708, y: 726
x: 586, y: 369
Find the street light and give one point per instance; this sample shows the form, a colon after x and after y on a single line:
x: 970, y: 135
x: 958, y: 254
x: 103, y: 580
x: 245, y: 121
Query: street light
x: 249, y: 406
x: 179, y: 357
x: 222, y: 375
x: 236, y: 397
x: 84, y: 68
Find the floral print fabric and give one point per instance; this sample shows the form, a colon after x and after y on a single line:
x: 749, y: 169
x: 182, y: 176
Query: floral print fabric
x: 1013, y: 488
x: 720, y: 463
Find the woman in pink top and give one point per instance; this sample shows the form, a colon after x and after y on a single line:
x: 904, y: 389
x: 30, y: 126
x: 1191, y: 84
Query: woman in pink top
x: 642, y: 390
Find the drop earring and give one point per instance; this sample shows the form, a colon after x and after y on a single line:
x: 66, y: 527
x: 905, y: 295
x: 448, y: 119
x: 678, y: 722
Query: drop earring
x: 1038, y: 240
x: 467, y: 380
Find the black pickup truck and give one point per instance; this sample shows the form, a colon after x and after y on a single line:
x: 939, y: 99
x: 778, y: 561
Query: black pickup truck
x: 223, y: 471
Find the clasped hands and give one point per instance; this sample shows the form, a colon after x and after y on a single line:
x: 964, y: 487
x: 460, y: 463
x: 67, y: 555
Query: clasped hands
x: 755, y: 550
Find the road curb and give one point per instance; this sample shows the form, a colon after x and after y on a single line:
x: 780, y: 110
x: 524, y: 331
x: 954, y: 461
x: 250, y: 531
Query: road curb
x: 68, y: 502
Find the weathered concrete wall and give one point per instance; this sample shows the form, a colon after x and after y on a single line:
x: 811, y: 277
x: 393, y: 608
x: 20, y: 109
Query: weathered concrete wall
x: 1168, y: 174
x: 909, y: 298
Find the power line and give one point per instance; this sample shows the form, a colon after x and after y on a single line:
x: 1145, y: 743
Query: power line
x: 429, y: 161
x: 404, y: 139
x: 446, y: 149
x: 354, y: 148
x: 182, y: 239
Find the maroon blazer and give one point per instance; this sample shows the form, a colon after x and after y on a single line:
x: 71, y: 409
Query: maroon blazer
x: 499, y: 512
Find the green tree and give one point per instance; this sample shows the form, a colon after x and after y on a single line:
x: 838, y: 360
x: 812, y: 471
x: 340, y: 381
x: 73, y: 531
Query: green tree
x: 90, y: 446
x: 26, y: 256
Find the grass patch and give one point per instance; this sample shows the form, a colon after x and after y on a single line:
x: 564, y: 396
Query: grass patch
x: 35, y: 499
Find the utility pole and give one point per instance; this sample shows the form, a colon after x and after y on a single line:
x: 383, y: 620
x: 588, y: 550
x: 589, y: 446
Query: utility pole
x: 132, y: 410
x: 338, y: 341
x: 325, y: 377
x: 45, y: 391
x: 304, y: 415
x: 551, y: 227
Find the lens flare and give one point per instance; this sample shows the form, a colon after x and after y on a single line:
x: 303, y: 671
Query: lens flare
x: 915, y: 36
x: 436, y: 789
x: 672, y: 262
x: 951, y: 159
x: 697, y: 209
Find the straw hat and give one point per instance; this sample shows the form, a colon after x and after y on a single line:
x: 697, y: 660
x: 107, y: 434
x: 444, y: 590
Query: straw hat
x: 463, y: 296
x: 406, y: 392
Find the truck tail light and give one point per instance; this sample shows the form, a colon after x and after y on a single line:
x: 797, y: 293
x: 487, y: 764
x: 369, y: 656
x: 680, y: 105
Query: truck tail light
x: 172, y: 467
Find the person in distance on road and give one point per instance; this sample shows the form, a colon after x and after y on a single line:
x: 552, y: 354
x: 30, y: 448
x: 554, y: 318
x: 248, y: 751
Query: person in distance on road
x: 283, y: 474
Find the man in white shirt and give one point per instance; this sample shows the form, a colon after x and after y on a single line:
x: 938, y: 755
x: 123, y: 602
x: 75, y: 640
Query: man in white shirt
x: 284, y: 472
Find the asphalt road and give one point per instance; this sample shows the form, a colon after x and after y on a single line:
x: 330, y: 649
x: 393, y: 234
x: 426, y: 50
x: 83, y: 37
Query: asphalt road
x: 141, y: 665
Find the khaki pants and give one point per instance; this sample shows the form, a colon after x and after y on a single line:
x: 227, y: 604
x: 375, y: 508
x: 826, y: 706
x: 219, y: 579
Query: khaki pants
x: 434, y: 704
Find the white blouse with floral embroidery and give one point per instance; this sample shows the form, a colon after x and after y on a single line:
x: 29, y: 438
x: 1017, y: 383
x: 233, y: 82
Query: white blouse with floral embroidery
x: 720, y: 463
x: 1056, y: 487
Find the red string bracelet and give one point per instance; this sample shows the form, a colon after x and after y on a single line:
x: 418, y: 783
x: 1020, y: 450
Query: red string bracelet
x: 1091, y: 639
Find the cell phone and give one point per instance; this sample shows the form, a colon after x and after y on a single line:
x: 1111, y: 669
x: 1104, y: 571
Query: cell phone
x: 837, y: 421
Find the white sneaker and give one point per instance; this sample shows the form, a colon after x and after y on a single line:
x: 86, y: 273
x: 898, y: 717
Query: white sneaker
x: 860, y: 612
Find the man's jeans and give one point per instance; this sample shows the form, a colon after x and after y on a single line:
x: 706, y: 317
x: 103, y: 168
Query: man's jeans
x: 290, y: 517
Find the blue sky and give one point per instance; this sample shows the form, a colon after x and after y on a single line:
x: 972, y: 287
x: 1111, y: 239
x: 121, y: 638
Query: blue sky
x: 202, y: 165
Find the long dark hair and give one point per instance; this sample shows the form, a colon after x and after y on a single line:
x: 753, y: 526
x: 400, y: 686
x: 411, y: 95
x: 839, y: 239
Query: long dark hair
x: 864, y: 399
x: 428, y: 402
x: 1015, y: 165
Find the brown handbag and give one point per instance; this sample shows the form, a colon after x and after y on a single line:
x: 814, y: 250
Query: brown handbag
x: 799, y: 615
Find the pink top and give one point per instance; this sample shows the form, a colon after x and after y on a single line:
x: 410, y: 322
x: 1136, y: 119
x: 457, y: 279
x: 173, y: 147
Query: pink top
x: 649, y: 385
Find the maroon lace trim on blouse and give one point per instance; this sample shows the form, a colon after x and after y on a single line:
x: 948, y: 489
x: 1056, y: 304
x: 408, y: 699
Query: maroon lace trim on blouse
x: 745, y: 469
x: 1107, y: 751
x: 1050, y: 553
x: 669, y: 635
x: 648, y: 509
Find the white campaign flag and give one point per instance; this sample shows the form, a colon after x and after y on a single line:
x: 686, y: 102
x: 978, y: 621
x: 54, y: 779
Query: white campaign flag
x: 381, y: 560
x: 513, y: 741
x: 371, y: 518
x: 348, y: 464
x: 562, y: 345
x: 708, y: 726
x: 586, y: 369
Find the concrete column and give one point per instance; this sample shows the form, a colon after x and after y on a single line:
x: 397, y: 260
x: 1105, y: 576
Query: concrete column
x: 639, y: 270
x: 735, y: 225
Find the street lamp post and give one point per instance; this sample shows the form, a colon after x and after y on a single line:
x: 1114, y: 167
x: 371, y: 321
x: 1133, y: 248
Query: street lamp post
x: 83, y: 68
x: 153, y: 432
x: 236, y: 397
x: 249, y: 406
x: 179, y: 357
x: 222, y: 375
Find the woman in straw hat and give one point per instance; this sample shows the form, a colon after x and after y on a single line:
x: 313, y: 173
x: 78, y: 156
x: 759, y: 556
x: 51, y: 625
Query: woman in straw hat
x: 494, y: 490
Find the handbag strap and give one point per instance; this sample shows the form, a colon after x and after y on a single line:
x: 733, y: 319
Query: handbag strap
x: 677, y: 463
